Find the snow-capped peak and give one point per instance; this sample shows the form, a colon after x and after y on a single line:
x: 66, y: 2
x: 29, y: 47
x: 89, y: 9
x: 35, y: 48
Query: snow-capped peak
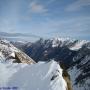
x: 72, y: 44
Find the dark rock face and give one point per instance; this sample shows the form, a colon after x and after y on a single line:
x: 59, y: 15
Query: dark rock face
x: 82, y: 62
x: 21, y: 57
x: 43, y: 51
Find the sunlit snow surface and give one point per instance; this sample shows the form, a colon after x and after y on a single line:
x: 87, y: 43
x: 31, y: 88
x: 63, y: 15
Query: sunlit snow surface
x: 79, y: 45
x: 32, y: 77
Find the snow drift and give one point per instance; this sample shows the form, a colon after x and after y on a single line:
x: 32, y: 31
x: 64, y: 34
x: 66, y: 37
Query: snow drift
x: 40, y: 76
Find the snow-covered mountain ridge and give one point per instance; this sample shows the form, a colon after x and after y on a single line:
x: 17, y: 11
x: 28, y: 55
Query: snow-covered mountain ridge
x: 75, y: 54
x: 9, y: 53
x: 16, y: 73
x: 72, y: 44
x: 40, y: 76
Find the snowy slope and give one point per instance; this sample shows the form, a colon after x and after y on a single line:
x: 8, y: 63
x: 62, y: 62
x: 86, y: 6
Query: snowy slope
x: 78, y: 45
x: 32, y: 77
x: 74, y: 73
x: 6, y: 50
x: 9, y: 53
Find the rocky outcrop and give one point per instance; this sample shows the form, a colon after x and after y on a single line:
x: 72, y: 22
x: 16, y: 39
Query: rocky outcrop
x: 21, y: 57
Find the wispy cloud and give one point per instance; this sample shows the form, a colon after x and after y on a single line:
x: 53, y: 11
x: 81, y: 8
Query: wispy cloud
x: 35, y: 7
x: 77, y: 5
x: 6, y: 34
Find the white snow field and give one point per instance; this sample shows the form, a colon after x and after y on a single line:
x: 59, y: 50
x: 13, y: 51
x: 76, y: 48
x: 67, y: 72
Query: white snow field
x: 32, y: 77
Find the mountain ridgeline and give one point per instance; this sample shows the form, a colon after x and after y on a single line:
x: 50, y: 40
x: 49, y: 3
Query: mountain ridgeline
x: 74, y: 54
x: 16, y: 70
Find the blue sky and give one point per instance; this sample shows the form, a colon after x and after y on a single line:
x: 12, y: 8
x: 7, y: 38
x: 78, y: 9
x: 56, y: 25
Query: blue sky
x: 46, y: 18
